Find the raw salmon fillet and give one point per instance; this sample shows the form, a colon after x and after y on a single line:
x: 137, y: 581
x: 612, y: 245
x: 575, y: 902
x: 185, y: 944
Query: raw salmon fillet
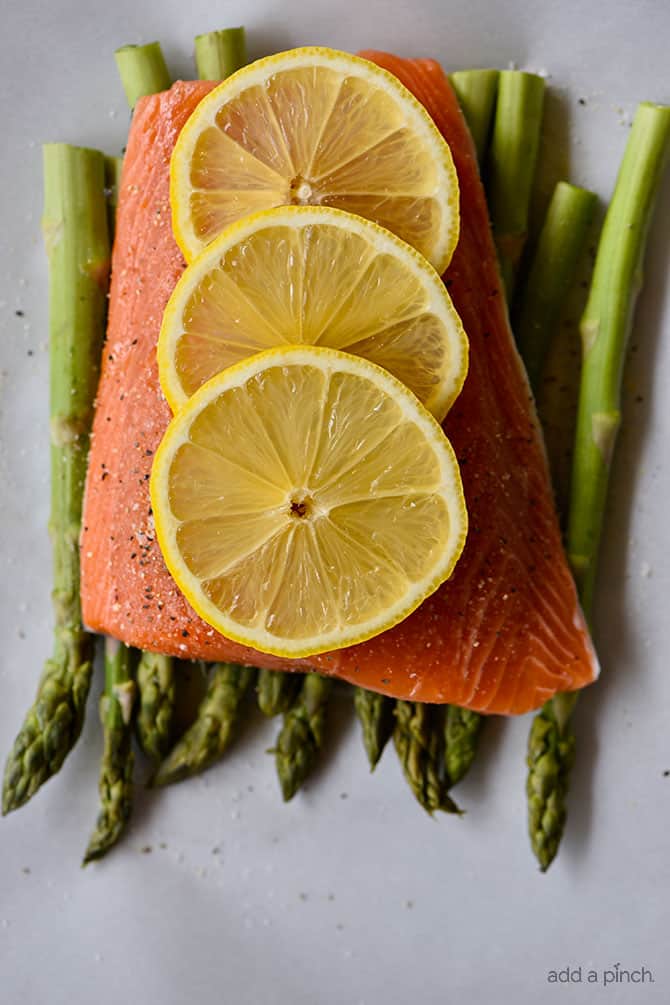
x: 506, y: 632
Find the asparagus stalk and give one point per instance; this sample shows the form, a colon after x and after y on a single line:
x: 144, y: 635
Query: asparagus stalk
x: 423, y: 738
x: 511, y: 165
x: 605, y: 327
x: 113, y: 167
x: 551, y: 755
x: 116, y: 770
x: 560, y: 247
x: 461, y: 736
x: 77, y: 243
x: 419, y: 743
x: 375, y: 714
x: 217, y: 55
x: 276, y: 691
x: 156, y: 683
x: 220, y: 53
x: 476, y: 92
x: 301, y: 736
x: 142, y: 70
x: 210, y: 735
x: 457, y: 730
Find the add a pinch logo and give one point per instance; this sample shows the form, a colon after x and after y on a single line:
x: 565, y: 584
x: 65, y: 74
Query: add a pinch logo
x: 616, y: 974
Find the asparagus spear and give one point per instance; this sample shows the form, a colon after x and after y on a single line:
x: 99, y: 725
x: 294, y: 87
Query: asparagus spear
x: 461, y: 735
x: 142, y: 70
x: 301, y: 736
x: 116, y: 770
x: 560, y: 247
x: 551, y: 754
x: 419, y: 735
x: 476, y: 92
x: 77, y: 243
x: 220, y: 53
x: 210, y: 735
x: 375, y: 714
x: 511, y: 165
x: 457, y: 732
x: 113, y: 167
x: 605, y: 327
x: 419, y: 741
x: 277, y: 691
x: 156, y: 683
x: 217, y: 55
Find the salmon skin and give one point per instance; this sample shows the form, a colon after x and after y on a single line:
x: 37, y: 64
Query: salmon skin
x: 506, y: 632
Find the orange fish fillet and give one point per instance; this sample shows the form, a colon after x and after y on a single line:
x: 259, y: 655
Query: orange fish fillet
x: 506, y: 632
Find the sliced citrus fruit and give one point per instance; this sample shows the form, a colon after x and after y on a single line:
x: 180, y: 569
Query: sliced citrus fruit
x: 315, y: 126
x: 317, y: 277
x: 305, y: 500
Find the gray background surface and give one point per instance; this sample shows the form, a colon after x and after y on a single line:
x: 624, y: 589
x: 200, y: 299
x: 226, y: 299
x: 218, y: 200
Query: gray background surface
x: 349, y: 894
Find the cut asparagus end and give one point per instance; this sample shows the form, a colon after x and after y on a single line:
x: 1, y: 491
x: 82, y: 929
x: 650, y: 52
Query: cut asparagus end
x: 116, y: 768
x: 143, y: 70
x: 476, y: 92
x: 511, y: 165
x: 220, y: 53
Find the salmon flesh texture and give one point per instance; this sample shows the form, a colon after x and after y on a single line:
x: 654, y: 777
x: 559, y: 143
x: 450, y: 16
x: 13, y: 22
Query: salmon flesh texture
x: 506, y: 632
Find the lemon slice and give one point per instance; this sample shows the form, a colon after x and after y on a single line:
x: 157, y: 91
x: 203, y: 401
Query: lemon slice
x: 320, y: 127
x: 313, y: 276
x: 304, y: 500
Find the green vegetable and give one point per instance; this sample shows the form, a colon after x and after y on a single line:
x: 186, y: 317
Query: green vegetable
x: 424, y: 738
x: 461, y: 736
x: 142, y: 70
x: 301, y: 736
x: 476, y: 92
x: 116, y: 769
x: 552, y: 272
x: 113, y: 168
x: 511, y: 165
x: 551, y: 754
x: 220, y: 53
x: 376, y: 715
x: 605, y: 328
x: 456, y: 731
x: 419, y: 743
x: 155, y: 716
x: 77, y: 243
x: 277, y: 691
x: 217, y: 55
x: 210, y: 735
